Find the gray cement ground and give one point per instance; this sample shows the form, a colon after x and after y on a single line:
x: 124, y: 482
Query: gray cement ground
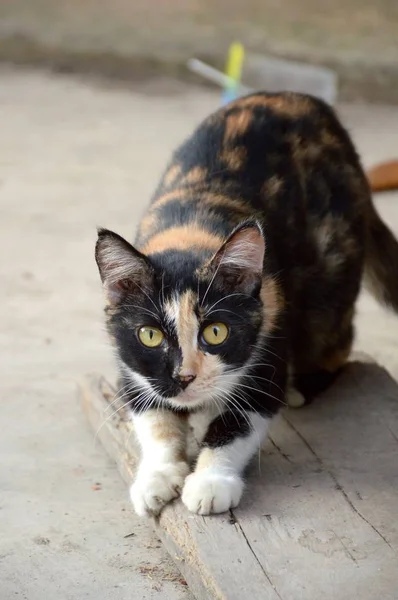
x: 75, y: 154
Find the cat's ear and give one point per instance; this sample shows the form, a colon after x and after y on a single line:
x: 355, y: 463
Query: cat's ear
x: 238, y: 264
x: 123, y: 269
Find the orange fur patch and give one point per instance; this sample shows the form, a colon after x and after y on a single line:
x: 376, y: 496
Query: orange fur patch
x: 172, y: 196
x: 205, y: 459
x: 172, y: 175
x: 147, y: 224
x: 206, y: 197
x: 237, y: 124
x: 181, y: 310
x: 303, y: 149
x: 187, y: 331
x: 287, y: 105
x: 327, y: 138
x: 272, y: 186
x: 334, y: 232
x: 165, y: 429
x: 235, y: 157
x: 169, y: 429
x: 273, y: 302
x: 336, y: 360
x: 227, y: 202
x: 195, y: 175
x: 182, y: 238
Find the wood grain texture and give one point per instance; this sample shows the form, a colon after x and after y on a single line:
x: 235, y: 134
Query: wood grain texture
x: 320, y: 515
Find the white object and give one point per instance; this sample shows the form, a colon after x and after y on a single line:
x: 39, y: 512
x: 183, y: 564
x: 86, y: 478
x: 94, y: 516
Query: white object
x: 275, y: 75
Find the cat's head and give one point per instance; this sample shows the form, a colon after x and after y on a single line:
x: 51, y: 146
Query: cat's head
x: 187, y: 324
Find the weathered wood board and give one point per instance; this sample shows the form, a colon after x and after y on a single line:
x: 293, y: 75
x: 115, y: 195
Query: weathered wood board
x: 320, y: 515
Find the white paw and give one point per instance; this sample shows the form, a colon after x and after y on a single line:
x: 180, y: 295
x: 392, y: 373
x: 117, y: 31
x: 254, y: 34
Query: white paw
x: 207, y: 492
x: 295, y: 399
x: 153, y: 489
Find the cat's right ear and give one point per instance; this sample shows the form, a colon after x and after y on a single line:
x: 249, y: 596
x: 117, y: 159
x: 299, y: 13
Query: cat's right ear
x: 123, y: 269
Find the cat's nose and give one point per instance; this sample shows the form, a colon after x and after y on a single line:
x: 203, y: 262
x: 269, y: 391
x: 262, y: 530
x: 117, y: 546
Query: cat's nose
x: 184, y: 380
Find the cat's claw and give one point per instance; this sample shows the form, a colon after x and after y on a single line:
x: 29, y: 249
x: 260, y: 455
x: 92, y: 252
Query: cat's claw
x: 207, y: 492
x: 153, y: 489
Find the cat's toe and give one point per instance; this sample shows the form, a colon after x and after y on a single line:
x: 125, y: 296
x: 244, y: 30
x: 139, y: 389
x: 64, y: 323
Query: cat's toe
x: 207, y: 492
x: 153, y: 489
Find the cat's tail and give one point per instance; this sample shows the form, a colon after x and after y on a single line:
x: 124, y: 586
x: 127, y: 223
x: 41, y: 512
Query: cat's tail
x: 381, y: 262
x: 384, y: 176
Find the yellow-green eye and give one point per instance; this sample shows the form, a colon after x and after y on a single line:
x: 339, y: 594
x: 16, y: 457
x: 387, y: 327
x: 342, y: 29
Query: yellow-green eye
x: 150, y: 336
x: 215, y: 334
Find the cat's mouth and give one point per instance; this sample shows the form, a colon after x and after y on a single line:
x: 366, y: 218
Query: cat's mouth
x: 191, y: 397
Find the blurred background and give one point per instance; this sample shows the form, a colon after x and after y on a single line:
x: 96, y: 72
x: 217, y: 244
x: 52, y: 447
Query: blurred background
x: 94, y: 95
x: 358, y: 38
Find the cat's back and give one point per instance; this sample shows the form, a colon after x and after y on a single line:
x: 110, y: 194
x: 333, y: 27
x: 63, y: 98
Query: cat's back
x: 284, y: 158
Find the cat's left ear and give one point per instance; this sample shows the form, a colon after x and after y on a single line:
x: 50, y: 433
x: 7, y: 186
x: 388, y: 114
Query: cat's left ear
x: 123, y: 269
x: 238, y: 264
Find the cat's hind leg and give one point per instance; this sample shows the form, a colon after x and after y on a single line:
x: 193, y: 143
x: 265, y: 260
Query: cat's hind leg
x: 311, y: 384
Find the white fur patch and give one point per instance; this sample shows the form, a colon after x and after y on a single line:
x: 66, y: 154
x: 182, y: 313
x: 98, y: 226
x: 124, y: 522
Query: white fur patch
x: 154, y: 486
x: 161, y: 474
x: 216, y: 484
x: 171, y: 311
x: 210, y: 492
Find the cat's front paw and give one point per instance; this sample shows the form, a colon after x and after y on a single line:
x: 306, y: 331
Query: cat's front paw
x: 153, y: 488
x: 207, y: 492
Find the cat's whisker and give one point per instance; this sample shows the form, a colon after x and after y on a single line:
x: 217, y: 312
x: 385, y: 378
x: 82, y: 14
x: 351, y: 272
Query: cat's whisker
x: 126, y: 389
x: 226, y: 298
x: 219, y: 404
x: 136, y: 399
x: 250, y: 376
x: 143, y: 309
x: 224, y: 404
x: 266, y: 349
x: 211, y: 281
x: 144, y: 403
x: 208, y: 314
x: 109, y: 418
x: 261, y: 392
x: 241, y: 369
x: 243, y: 398
x: 162, y: 289
x: 266, y: 381
x: 232, y: 398
x: 147, y: 295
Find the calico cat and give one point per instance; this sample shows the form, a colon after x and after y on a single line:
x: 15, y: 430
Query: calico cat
x: 239, y: 292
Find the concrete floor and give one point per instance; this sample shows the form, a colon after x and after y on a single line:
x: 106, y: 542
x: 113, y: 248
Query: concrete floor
x: 75, y: 154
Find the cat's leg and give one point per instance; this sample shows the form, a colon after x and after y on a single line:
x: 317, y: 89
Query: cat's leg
x: 163, y: 467
x: 311, y: 384
x: 216, y: 485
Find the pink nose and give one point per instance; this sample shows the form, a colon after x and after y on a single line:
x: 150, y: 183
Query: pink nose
x: 185, y: 380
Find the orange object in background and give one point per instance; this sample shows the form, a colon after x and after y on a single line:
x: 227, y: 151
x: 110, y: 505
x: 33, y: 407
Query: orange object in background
x: 384, y: 176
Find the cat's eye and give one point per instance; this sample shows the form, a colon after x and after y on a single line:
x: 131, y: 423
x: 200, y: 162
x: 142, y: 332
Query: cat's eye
x: 215, y: 334
x: 150, y: 337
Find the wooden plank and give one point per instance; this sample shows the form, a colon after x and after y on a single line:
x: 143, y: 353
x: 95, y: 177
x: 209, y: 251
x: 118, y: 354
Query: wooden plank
x: 193, y: 541
x: 319, y: 518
